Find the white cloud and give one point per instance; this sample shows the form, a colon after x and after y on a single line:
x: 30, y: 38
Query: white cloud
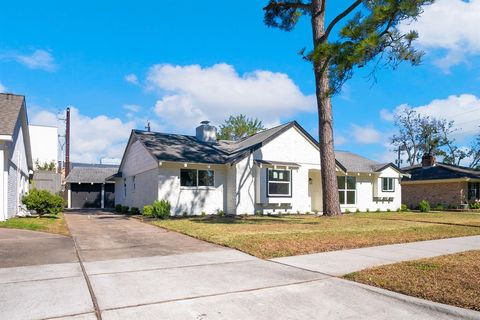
x: 365, y: 135
x: 39, y: 59
x: 191, y: 94
x: 387, y: 115
x: 92, y: 138
x: 340, y: 140
x: 132, y: 107
x: 463, y: 109
x: 451, y: 25
x: 2, y: 88
x: 131, y: 78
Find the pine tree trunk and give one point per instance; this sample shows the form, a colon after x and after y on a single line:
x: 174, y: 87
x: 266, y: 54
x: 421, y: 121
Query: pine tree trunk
x: 331, y: 203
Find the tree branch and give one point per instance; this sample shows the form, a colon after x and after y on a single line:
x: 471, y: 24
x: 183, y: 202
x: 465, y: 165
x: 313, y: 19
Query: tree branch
x: 287, y: 5
x: 338, y: 18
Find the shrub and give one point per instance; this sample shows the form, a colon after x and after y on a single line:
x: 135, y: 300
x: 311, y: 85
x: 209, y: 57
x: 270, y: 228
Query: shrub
x: 134, y: 210
x: 148, y: 211
x: 118, y: 208
x: 43, y: 202
x: 378, y: 210
x: 346, y: 211
x: 368, y: 210
x: 398, y: 209
x: 125, y: 209
x: 203, y: 214
x: 220, y: 213
x: 357, y: 211
x: 185, y: 214
x: 162, y: 209
x: 424, y: 206
x: 439, y: 206
x: 404, y: 208
x: 388, y: 210
x: 259, y: 213
x: 475, y: 205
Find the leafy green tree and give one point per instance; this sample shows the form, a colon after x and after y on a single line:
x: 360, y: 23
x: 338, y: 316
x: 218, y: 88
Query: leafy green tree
x: 237, y: 127
x: 46, y: 166
x: 369, y: 32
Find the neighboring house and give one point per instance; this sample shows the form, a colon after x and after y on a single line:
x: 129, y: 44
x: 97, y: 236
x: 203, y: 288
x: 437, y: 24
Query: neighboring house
x: 15, y: 154
x: 88, y: 186
x: 276, y: 170
x: 44, y: 141
x: 440, y: 183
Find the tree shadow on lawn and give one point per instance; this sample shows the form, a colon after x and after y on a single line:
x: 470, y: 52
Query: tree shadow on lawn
x: 251, y: 220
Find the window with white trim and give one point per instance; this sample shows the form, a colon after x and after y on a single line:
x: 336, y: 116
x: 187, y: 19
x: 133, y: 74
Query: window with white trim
x: 388, y: 184
x: 279, y: 183
x: 347, y: 189
x: 197, y: 178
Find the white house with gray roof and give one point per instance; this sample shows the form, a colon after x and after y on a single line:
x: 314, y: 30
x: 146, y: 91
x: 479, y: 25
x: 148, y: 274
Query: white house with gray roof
x: 15, y: 154
x: 274, y: 171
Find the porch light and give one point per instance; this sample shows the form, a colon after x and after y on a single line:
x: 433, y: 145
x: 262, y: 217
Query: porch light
x: 185, y: 165
x: 310, y: 180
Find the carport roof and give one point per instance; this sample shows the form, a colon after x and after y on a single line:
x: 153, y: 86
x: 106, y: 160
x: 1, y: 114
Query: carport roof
x: 91, y: 174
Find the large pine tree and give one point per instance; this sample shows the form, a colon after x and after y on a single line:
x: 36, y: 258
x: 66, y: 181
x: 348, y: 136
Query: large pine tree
x: 368, y: 30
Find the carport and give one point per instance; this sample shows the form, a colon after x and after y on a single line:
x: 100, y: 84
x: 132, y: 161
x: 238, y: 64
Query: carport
x: 88, y: 187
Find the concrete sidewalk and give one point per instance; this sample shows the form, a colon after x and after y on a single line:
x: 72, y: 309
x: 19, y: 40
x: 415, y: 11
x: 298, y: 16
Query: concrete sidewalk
x: 338, y: 263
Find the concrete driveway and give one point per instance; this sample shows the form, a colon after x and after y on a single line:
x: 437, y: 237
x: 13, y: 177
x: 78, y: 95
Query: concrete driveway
x: 130, y: 270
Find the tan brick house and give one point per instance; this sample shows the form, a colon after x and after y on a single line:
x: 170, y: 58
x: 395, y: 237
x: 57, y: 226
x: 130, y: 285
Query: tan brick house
x: 440, y: 183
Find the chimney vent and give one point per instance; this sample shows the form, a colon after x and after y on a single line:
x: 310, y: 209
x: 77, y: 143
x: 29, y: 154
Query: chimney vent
x: 428, y: 160
x: 206, y: 133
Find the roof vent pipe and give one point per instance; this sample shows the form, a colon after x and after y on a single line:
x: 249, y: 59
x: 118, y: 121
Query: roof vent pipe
x: 206, y: 133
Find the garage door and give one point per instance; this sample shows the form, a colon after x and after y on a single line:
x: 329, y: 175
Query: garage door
x: 109, y: 195
x: 86, y: 195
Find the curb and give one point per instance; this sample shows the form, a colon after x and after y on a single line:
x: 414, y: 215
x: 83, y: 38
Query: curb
x: 456, y: 312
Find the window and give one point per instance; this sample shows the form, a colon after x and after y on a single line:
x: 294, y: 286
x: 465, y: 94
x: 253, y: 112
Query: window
x: 473, y: 190
x: 347, y: 189
x: 205, y: 178
x: 388, y: 185
x: 279, y: 183
x: 195, y: 178
x: 133, y: 182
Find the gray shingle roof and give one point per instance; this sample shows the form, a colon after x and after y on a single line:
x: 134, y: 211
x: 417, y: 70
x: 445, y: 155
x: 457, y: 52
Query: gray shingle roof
x: 183, y: 148
x: 356, y: 163
x: 91, y: 173
x: 10, y: 106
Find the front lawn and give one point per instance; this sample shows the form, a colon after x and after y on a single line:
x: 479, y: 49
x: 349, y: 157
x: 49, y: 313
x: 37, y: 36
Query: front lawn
x: 46, y: 223
x: 452, y: 279
x: 278, y: 236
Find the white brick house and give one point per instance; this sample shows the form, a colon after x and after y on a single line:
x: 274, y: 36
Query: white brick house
x: 277, y: 171
x: 15, y: 154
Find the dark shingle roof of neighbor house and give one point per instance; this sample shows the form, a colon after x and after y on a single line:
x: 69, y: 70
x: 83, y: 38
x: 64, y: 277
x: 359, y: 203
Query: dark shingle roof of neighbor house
x: 356, y: 163
x: 440, y: 171
x: 91, y: 173
x: 10, y: 106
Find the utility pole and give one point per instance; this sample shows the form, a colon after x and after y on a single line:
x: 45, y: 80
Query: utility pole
x: 148, y: 126
x: 67, y: 143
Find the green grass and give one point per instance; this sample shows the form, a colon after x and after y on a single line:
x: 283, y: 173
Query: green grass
x: 277, y: 236
x: 47, y: 223
x: 452, y: 279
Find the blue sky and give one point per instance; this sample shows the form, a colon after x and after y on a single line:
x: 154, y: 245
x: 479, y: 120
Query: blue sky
x: 178, y: 62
